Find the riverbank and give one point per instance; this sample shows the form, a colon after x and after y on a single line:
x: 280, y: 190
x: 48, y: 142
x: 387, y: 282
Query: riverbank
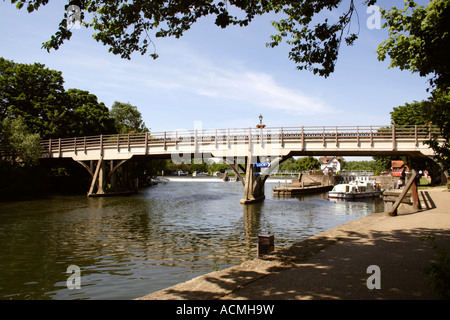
x: 334, y: 264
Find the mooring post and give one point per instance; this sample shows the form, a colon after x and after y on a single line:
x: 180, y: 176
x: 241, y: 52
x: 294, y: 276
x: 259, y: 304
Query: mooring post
x: 265, y: 244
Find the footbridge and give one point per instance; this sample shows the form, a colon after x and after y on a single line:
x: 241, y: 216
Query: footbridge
x: 252, y: 153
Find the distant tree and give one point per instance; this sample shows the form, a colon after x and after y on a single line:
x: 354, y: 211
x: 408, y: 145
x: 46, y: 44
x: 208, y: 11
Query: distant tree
x: 20, y: 171
x: 127, y: 118
x: 410, y: 114
x: 308, y: 163
x: 300, y: 164
x: 19, y: 146
x: 288, y: 165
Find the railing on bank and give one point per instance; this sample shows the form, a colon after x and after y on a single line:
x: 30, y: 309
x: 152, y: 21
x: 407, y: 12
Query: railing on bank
x: 326, y: 134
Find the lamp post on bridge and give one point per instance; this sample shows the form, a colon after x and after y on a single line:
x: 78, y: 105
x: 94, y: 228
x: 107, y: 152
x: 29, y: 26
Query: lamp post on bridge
x: 260, y: 125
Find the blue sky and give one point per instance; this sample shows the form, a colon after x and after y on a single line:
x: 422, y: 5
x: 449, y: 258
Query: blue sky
x: 224, y: 78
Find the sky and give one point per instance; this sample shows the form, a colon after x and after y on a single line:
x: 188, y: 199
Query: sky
x: 223, y: 78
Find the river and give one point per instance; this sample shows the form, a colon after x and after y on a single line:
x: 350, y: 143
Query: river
x: 127, y: 247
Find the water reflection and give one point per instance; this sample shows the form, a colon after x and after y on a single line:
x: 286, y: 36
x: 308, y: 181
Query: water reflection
x: 127, y: 247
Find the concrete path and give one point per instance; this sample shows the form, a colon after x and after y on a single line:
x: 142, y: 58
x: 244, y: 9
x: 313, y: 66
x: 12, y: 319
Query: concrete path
x: 334, y: 264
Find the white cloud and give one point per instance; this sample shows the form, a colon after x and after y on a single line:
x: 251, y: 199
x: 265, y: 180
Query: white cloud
x: 225, y: 81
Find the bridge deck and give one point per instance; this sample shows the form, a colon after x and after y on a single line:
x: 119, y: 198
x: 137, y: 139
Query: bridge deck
x: 326, y: 140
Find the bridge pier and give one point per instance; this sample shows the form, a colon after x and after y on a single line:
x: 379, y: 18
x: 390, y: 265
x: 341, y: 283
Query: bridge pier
x: 117, y: 178
x: 253, y: 183
x: 254, y: 177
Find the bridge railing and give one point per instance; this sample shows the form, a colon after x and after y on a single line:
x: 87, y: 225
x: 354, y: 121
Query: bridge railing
x: 327, y: 134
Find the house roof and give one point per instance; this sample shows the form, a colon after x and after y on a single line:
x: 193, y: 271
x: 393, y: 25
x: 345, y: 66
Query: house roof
x: 397, y: 163
x: 327, y: 160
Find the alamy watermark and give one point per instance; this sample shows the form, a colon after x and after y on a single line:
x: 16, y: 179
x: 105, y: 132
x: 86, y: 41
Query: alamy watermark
x: 74, y: 280
x: 73, y: 13
x: 264, y: 147
x: 374, y: 281
x: 73, y: 17
x: 374, y: 20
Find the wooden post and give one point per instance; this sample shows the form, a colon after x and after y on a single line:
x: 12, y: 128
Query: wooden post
x: 165, y: 140
x: 415, y: 195
x: 357, y: 137
x: 249, y: 142
x: 265, y: 244
x: 393, y: 211
x: 94, y: 178
x: 50, y: 155
x: 371, y: 137
x: 303, y: 139
x: 394, y: 146
x: 146, y: 143
x: 215, y: 139
x: 323, y: 136
x: 101, y: 145
x: 415, y: 136
x: 337, y: 143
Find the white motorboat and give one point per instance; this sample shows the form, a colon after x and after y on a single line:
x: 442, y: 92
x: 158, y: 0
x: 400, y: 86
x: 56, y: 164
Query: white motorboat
x: 355, y: 190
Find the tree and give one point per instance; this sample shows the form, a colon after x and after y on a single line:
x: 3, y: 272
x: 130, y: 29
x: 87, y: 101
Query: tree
x: 19, y: 146
x: 419, y: 41
x: 410, y: 114
x: 37, y: 95
x: 308, y: 163
x: 438, y: 111
x: 87, y: 115
x: 127, y: 118
x: 124, y: 26
x: 300, y: 164
x: 34, y: 93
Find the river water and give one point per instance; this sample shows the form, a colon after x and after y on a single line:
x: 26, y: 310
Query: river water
x: 127, y: 247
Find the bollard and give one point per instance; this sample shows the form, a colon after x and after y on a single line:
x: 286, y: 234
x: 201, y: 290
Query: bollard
x: 265, y: 244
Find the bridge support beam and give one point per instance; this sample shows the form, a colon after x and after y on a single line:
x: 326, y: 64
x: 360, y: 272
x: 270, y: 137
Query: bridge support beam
x: 113, y: 179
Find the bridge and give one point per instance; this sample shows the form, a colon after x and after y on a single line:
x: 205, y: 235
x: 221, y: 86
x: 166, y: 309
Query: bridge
x: 256, y: 152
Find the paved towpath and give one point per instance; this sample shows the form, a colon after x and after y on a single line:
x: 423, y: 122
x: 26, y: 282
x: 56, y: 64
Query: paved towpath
x: 333, y: 264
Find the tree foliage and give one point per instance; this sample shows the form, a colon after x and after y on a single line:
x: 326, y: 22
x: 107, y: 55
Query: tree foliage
x: 300, y: 164
x: 34, y: 93
x: 127, y: 118
x: 37, y: 95
x: 419, y: 41
x: 19, y: 146
x: 129, y: 26
x: 87, y: 115
x: 410, y: 114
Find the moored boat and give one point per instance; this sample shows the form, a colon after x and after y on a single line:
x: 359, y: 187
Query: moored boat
x: 355, y: 190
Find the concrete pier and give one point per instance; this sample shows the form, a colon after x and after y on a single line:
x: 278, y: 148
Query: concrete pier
x: 305, y: 184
